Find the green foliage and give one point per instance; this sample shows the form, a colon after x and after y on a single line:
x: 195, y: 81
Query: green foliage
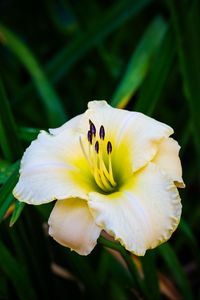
x: 53, y: 105
x: 140, y: 63
x: 141, y: 54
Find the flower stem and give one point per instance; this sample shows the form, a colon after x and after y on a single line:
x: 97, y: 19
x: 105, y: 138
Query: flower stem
x: 139, y: 283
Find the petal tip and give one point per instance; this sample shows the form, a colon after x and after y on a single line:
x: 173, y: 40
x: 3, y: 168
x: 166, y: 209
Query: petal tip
x: 97, y: 104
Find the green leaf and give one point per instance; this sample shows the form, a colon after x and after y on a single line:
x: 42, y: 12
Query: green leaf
x: 7, y: 172
x: 62, y: 16
x: 191, y: 239
x: 6, y: 197
x: 139, y: 283
x: 5, y: 205
x: 17, y: 274
x: 189, y: 235
x: 3, y: 287
x: 109, y: 265
x: 111, y: 20
x: 28, y: 134
x: 4, y: 166
x: 53, y: 105
x: 176, y: 270
x: 81, y: 266
x: 186, y: 25
x: 150, y: 275
x: 116, y: 292
x: 19, y: 206
x: 9, y: 141
x: 157, y: 76
x: 140, y: 62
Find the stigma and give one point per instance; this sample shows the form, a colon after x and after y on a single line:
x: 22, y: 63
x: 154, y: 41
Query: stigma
x: 99, y: 156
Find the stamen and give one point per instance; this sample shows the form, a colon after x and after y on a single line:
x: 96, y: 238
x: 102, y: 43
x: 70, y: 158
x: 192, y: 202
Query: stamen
x: 111, y: 178
x: 97, y: 178
x: 102, y: 171
x: 105, y: 181
x: 108, y: 181
x: 89, y: 136
x: 92, y: 128
x: 109, y: 150
x: 109, y: 147
x: 84, y: 152
x: 96, y: 146
x: 102, y: 132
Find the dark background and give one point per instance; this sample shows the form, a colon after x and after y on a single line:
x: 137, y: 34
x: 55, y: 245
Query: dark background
x: 55, y: 56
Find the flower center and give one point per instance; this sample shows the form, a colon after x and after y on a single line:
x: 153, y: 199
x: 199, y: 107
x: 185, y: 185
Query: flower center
x: 100, y: 166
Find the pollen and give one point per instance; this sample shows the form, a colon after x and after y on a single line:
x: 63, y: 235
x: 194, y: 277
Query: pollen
x: 92, y: 128
x: 109, y: 147
x: 89, y: 136
x: 99, y: 156
x: 102, y: 132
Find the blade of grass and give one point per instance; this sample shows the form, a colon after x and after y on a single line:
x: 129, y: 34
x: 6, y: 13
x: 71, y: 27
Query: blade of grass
x: 62, y: 16
x: 157, y: 76
x: 6, y: 197
x: 65, y: 59
x: 139, y: 63
x: 3, y: 287
x: 186, y: 27
x: 113, y: 19
x: 4, y: 165
x: 139, y: 283
x: 10, y: 144
x: 37, y: 244
x: 150, y: 275
x: 116, y: 292
x: 28, y: 134
x: 5, y: 205
x: 111, y: 265
x: 7, y: 172
x: 81, y: 266
x: 176, y: 270
x: 189, y: 236
x: 16, y: 273
x: 19, y: 206
x: 55, y: 110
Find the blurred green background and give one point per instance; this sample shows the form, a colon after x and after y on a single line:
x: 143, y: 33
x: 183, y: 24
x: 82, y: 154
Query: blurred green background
x: 57, y: 55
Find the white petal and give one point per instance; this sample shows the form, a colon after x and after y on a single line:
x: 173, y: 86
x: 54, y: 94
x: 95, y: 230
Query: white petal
x: 71, y: 124
x: 143, y: 213
x: 72, y: 225
x: 134, y: 136
x: 54, y: 167
x: 168, y: 159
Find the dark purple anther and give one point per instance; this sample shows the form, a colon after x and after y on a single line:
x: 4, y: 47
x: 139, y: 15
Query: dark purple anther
x: 102, y: 132
x: 96, y: 146
x: 92, y: 128
x: 109, y: 147
x: 89, y: 136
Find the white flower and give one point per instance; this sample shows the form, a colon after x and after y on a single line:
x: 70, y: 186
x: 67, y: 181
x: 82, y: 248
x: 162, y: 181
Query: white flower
x: 109, y: 169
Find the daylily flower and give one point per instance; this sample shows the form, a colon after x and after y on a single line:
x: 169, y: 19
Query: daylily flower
x: 109, y: 169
